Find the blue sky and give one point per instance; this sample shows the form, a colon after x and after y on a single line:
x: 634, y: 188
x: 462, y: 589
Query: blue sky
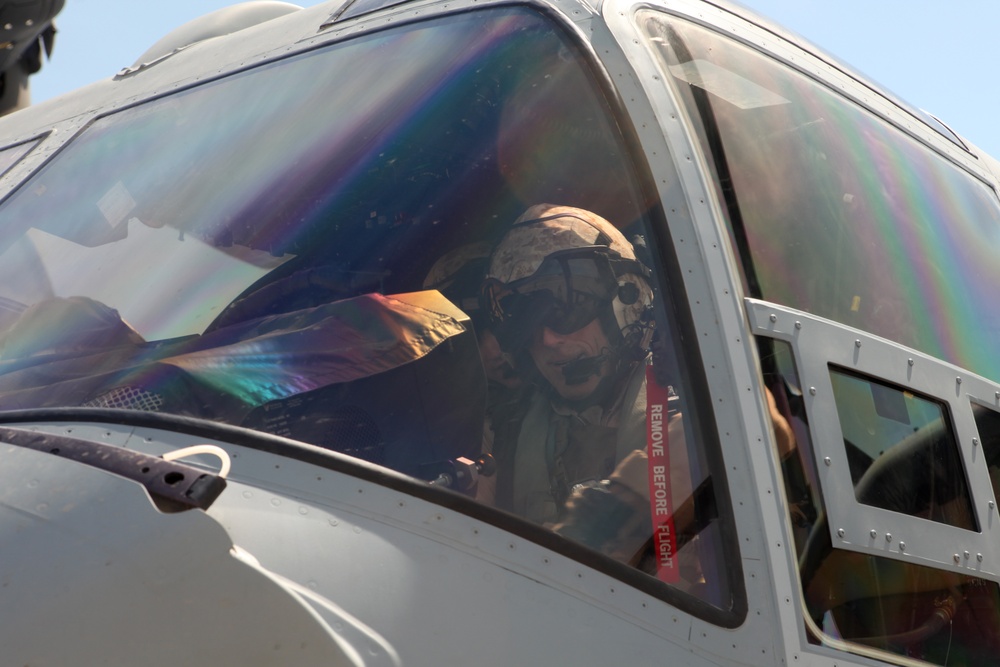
x: 939, y: 56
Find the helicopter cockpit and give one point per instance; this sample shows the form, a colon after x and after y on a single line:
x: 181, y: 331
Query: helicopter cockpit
x: 268, y: 254
x: 254, y: 252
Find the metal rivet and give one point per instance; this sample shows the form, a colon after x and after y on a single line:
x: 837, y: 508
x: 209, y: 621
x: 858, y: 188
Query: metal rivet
x: 979, y: 557
x: 774, y: 318
x: 888, y: 537
x: 902, y: 546
x: 798, y: 325
x: 873, y: 533
x: 958, y: 380
x: 956, y: 558
x: 857, y: 343
x: 827, y: 461
x: 812, y: 390
x: 992, y: 504
x: 975, y: 442
x: 966, y: 554
x: 909, y: 361
x: 840, y: 532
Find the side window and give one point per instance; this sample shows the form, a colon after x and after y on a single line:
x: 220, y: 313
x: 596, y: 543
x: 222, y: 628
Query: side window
x: 425, y: 247
x: 892, y: 560
x: 855, y: 239
x: 833, y: 210
x: 901, y: 451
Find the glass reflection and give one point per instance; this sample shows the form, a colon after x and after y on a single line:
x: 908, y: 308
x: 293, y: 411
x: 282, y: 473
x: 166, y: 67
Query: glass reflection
x: 169, y: 211
x: 240, y: 248
x: 834, y: 211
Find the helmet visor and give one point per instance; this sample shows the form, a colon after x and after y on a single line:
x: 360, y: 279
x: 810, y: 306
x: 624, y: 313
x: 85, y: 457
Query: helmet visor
x: 565, y: 294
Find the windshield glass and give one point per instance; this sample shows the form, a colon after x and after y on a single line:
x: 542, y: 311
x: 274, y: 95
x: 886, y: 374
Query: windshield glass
x: 833, y: 210
x: 302, y: 249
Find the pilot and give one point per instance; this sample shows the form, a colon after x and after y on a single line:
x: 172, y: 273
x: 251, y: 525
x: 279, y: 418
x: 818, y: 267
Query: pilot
x: 571, y: 305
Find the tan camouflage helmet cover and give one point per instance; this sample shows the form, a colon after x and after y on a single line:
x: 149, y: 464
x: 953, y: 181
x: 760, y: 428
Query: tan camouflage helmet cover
x: 521, y: 251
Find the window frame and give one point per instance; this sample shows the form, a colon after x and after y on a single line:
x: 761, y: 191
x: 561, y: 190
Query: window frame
x: 17, y: 153
x: 818, y: 344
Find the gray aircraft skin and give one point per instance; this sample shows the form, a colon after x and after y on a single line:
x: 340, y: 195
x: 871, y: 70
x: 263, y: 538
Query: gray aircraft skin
x: 246, y: 415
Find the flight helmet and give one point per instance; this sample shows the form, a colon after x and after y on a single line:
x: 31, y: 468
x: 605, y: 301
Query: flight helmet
x: 562, y: 267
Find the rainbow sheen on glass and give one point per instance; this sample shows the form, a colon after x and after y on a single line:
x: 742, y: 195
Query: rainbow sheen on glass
x: 843, y: 215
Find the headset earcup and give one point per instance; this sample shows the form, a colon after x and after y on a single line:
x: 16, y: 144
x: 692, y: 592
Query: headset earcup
x: 628, y: 293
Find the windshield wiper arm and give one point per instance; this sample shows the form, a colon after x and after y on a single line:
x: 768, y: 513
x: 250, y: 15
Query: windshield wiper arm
x: 173, y: 486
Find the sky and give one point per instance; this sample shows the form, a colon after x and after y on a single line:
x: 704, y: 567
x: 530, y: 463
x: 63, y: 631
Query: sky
x: 939, y: 56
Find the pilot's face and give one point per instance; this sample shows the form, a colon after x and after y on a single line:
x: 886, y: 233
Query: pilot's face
x: 551, y: 352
